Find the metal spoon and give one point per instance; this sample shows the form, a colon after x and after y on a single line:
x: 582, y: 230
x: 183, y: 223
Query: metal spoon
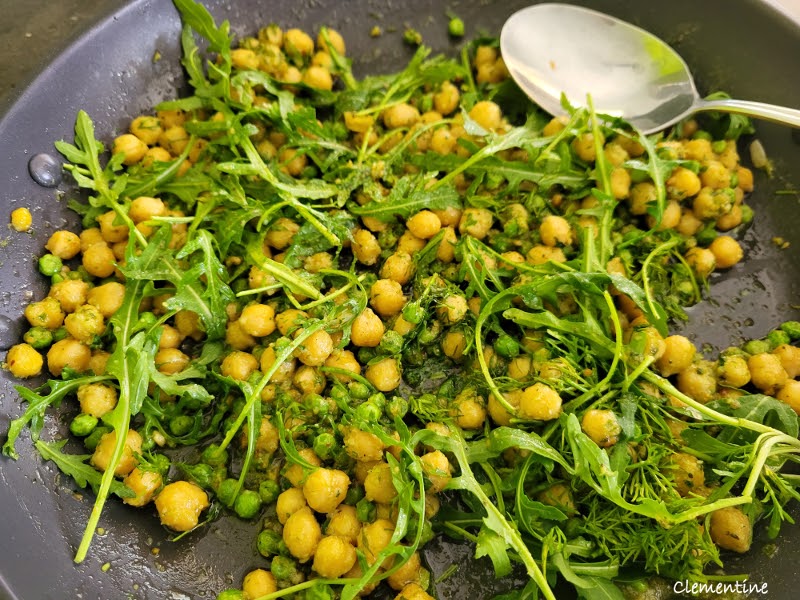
x: 630, y: 73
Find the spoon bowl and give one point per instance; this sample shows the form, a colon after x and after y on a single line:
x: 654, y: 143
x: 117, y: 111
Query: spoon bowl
x: 555, y: 49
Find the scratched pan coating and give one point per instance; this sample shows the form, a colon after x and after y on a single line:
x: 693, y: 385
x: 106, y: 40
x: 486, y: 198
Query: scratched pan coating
x: 746, y: 48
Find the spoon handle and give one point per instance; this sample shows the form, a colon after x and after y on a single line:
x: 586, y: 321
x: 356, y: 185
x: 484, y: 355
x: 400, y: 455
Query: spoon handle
x: 770, y: 112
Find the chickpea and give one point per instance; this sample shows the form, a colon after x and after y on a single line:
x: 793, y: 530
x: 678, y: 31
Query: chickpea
x: 408, y: 573
x: 344, y: 522
x: 413, y: 591
x: 678, y: 355
x: 243, y: 58
x: 702, y: 260
x: 446, y: 100
x: 358, y: 123
x: 325, y: 489
x: 540, y: 402
x: 64, y: 244
x: 409, y: 243
x: 362, y: 445
x: 499, y: 414
x: 733, y: 371
x: 601, y: 426
x: 385, y: 374
x: 620, y: 180
x: 238, y: 365
x: 68, y: 353
x: 555, y: 230
x: 156, y: 154
x: 288, y: 503
x: 144, y: 484
x: 170, y: 118
x: 560, y: 496
x: 145, y: 208
x: 374, y: 537
x: 790, y: 394
x: 302, y: 534
x: 475, y: 222
x: 731, y: 529
x: 112, y: 233
x: 70, y: 294
x: 289, y: 320
x: 727, y: 251
x: 487, y: 114
x: 365, y: 247
x: 683, y: 183
x: 334, y: 557
x: 257, y: 320
x: 345, y: 360
x: 98, y: 260
x: 296, y: 473
x: 540, y: 254
x: 174, y: 140
x: 284, y: 372
x: 730, y: 220
x: 767, y: 372
x: 170, y: 361
x: 400, y: 115
x: 267, y: 441
x: 715, y: 175
x: 698, y: 381
x: 101, y: 459
x: 584, y: 146
x: 131, y: 147
x: 424, y: 224
x: 453, y: 344
x: 386, y: 297
x: 437, y: 469
x: 106, y: 298
x: 318, y: 77
x: 187, y: 322
x: 24, y: 361
x: 335, y: 39
x: 555, y: 126
x: 452, y: 309
x: 316, y: 349
x: 378, y: 485
x: 308, y: 380
x: 642, y: 195
x: 470, y: 413
x: 46, y: 313
x: 711, y: 203
x: 687, y: 471
x: 520, y: 367
x: 97, y: 399
x: 398, y: 267
x: 146, y: 128
x: 689, y: 224
x: 235, y: 337
x: 790, y: 359
x: 296, y: 41
x: 258, y: 583
x: 281, y: 233
x: 179, y: 505
x: 21, y: 219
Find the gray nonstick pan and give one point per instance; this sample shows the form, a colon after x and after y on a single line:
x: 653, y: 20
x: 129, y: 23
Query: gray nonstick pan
x: 747, y: 48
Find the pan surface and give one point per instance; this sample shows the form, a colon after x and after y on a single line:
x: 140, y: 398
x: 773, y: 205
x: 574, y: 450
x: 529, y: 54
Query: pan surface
x: 748, y: 49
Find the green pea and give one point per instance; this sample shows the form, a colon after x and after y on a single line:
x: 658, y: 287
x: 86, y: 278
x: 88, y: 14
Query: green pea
x: 412, y: 37
x: 365, y: 511
x: 284, y: 568
x: 756, y: 346
x: 269, y: 491
x: 506, y: 346
x: 706, y: 235
x: 317, y: 405
x: 319, y: 591
x: 354, y: 494
x: 792, y: 328
x: 719, y: 146
x: 430, y: 332
x: 49, y: 265
x: 413, y: 312
x: 391, y: 343
x: 701, y: 134
x: 339, y: 393
x: 181, y: 425
x: 397, y: 408
x: 366, y: 354
x: 215, y: 456
x: 60, y: 334
x: 227, y: 491
x: 38, y: 337
x: 378, y: 399
x: 324, y: 444
x: 268, y: 542
x: 201, y: 473
x: 359, y: 391
x: 93, y: 438
x: 777, y: 337
x: 247, y: 504
x: 368, y: 412
x: 82, y: 425
x: 231, y: 594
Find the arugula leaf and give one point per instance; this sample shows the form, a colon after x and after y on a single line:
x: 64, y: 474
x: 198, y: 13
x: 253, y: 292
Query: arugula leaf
x: 409, y: 195
x: 75, y: 466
